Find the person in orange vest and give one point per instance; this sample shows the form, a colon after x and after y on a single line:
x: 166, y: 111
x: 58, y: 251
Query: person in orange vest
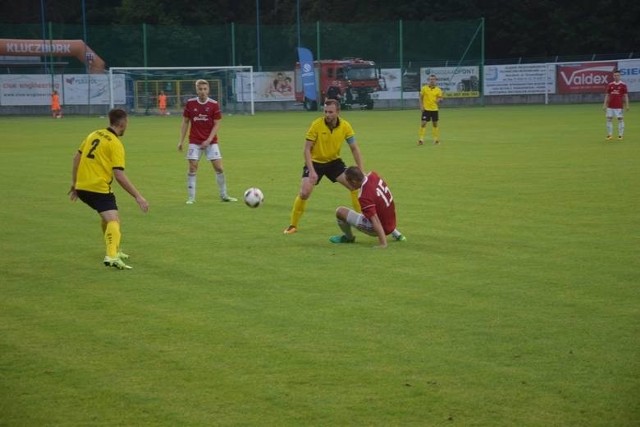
x: 56, y: 110
x: 162, y: 103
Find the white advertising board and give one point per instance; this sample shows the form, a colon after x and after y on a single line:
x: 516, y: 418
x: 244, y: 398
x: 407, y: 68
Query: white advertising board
x: 391, y: 84
x: 28, y: 89
x: 455, y: 82
x: 74, y: 89
x: 630, y: 73
x: 269, y: 86
x: 519, y: 79
x: 83, y: 89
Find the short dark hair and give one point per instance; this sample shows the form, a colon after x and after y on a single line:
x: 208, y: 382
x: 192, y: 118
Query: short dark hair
x: 332, y: 102
x: 116, y: 116
x: 353, y: 173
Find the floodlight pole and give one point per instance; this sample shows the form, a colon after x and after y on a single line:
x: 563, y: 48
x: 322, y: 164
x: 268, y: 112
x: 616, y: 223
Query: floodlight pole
x: 44, y: 34
x: 86, y: 59
x: 298, y: 20
x: 258, y: 34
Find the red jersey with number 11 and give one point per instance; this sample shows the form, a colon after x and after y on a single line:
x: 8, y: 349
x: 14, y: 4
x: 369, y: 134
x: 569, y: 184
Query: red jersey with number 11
x: 376, y: 198
x: 616, y: 93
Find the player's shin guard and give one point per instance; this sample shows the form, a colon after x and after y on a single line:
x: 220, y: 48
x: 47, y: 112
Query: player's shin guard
x: 346, y: 228
x: 421, y: 131
x: 355, y: 202
x: 222, y: 183
x: 620, y: 127
x: 191, y: 185
x: 112, y: 238
x: 609, y: 128
x: 436, y: 133
x: 297, y: 211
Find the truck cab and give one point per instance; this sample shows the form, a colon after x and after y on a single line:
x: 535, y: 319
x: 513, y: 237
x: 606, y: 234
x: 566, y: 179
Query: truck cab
x: 351, y: 81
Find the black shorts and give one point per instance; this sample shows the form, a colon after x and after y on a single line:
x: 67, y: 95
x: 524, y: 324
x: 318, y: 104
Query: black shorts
x: 331, y: 170
x: 429, y: 115
x: 98, y: 201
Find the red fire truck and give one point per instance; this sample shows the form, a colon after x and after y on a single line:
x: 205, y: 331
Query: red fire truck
x: 349, y: 80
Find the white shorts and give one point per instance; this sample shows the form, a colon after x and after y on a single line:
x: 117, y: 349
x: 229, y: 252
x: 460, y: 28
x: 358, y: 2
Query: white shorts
x: 614, y: 112
x: 212, y: 152
x: 360, y: 222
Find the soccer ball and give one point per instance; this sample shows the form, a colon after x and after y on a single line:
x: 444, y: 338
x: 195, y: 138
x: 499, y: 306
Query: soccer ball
x: 253, y: 197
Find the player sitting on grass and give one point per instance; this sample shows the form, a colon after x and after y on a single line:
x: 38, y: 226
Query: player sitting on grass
x: 378, y: 217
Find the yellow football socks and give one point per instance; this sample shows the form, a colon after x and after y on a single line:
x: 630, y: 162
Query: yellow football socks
x: 297, y: 211
x: 355, y: 202
x: 112, y: 238
x: 421, y: 132
x: 299, y: 206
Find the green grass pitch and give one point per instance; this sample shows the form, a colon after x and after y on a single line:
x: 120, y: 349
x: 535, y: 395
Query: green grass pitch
x: 514, y: 302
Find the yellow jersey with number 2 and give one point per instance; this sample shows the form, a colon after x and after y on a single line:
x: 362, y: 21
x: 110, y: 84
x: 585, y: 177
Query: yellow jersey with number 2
x: 101, y: 153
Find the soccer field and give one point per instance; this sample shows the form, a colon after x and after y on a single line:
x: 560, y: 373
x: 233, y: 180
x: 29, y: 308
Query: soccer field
x: 514, y: 301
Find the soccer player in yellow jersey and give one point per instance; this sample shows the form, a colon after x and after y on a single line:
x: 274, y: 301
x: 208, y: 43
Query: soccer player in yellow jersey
x: 99, y: 159
x: 323, y: 142
x: 430, y: 98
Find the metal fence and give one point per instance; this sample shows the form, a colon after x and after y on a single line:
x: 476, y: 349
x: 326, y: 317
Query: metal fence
x: 267, y: 47
x: 404, y: 52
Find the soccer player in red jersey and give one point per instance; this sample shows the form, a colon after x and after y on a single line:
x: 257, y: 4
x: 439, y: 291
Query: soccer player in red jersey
x: 202, y: 117
x: 378, y: 217
x: 615, y: 99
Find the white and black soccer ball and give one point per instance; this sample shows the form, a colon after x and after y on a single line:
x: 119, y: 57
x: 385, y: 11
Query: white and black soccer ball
x: 253, y: 197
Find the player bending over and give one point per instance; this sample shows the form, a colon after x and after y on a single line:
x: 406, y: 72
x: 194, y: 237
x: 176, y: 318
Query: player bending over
x: 378, y: 217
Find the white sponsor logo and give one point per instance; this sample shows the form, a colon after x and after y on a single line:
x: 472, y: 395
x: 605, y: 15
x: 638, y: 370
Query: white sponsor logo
x: 39, y: 48
x: 588, y: 76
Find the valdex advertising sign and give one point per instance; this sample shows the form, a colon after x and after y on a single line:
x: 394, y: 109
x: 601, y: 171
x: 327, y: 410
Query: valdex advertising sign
x: 587, y: 77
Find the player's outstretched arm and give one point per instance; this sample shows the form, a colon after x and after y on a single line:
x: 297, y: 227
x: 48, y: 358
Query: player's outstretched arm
x: 124, y: 182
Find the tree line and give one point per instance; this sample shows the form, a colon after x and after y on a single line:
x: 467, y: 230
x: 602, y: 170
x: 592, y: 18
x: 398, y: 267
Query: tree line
x: 525, y: 28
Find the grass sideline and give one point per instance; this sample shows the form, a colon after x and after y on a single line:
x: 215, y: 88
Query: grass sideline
x: 514, y: 301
